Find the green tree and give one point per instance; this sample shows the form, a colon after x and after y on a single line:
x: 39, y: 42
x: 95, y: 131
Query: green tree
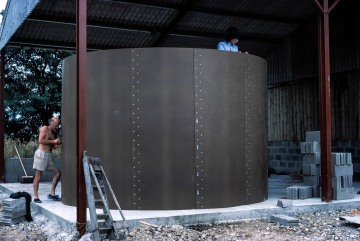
x: 32, y: 90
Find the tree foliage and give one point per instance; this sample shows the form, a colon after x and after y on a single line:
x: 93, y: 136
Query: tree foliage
x: 32, y: 90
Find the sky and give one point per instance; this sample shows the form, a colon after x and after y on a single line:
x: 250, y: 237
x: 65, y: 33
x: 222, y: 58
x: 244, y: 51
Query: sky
x: 2, y: 6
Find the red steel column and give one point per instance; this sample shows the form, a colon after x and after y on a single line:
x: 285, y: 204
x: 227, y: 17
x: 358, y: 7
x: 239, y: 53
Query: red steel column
x: 325, y: 107
x: 324, y: 100
x: 81, y: 112
x: 2, y: 115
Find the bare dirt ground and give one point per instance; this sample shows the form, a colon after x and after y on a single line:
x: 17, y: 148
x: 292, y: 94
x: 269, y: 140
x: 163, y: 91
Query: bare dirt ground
x: 40, y: 229
x: 23, y: 231
x: 314, y: 226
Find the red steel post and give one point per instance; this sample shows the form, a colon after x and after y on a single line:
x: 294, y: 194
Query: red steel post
x: 324, y: 100
x: 81, y: 111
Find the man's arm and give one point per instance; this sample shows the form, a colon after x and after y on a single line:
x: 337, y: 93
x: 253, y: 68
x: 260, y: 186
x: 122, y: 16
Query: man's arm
x: 221, y: 46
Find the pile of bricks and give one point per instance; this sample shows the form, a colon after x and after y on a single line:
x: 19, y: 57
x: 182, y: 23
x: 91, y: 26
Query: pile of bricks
x: 13, y: 212
x: 310, y: 150
x: 342, y: 176
x: 342, y: 172
x: 299, y: 192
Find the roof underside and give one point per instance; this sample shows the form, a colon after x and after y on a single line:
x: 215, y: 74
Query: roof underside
x: 263, y: 24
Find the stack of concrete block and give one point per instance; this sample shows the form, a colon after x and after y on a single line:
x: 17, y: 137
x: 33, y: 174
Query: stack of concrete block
x: 342, y: 176
x: 342, y: 168
x: 13, y: 212
x: 310, y: 150
x: 299, y: 192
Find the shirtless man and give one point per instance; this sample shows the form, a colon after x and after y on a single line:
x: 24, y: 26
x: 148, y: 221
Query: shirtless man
x: 43, y: 159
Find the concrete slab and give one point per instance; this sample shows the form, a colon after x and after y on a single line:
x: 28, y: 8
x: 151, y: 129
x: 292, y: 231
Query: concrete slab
x: 351, y: 219
x: 284, y: 220
x: 65, y: 215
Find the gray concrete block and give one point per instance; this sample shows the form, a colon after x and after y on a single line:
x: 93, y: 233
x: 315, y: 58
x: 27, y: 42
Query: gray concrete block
x: 348, y: 181
x: 14, y: 170
x: 14, y: 214
x: 14, y: 208
x: 47, y: 176
x: 10, y: 178
x: 342, y: 170
x: 312, y: 136
x: 343, y: 193
x: 284, y: 220
x: 310, y: 147
x: 10, y: 202
x: 315, y: 191
x: 341, y: 158
x: 311, y: 180
x: 335, y: 158
x: 336, y: 182
x: 348, y: 158
x: 292, y: 192
x: 284, y: 203
x: 295, y: 158
x: 311, y: 169
x: 305, y: 192
x: 342, y: 181
x: 298, y: 192
x: 311, y: 158
x: 11, y: 221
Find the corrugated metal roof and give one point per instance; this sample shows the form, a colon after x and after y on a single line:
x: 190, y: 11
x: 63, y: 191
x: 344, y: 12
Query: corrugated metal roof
x: 149, y: 23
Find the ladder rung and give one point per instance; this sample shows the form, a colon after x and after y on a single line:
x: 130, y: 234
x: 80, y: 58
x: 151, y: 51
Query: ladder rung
x: 103, y: 230
x: 105, y: 227
x: 102, y: 224
x: 95, y: 175
x: 96, y: 188
x: 99, y: 204
x: 102, y: 216
x: 98, y: 175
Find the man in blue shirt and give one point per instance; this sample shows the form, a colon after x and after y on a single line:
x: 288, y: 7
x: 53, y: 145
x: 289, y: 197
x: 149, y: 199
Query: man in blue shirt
x: 232, y: 38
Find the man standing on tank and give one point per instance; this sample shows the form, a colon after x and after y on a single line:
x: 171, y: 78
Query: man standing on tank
x: 43, y: 158
x: 232, y: 38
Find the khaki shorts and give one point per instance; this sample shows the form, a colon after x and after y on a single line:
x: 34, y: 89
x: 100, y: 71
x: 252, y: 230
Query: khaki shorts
x: 43, y: 161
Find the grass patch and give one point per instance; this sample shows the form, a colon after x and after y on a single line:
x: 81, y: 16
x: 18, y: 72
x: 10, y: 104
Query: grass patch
x: 26, y: 150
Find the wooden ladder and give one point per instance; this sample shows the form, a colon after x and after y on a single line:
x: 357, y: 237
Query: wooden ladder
x: 101, y: 223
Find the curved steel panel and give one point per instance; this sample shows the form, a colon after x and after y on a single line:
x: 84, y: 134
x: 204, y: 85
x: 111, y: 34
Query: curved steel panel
x: 255, y: 132
x: 68, y: 123
x: 219, y: 108
x: 175, y: 128
x: 163, y: 127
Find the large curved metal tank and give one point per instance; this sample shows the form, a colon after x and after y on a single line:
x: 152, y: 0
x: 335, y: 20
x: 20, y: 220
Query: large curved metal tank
x: 175, y: 128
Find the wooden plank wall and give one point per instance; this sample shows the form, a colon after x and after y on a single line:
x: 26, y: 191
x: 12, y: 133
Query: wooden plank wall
x: 292, y: 79
x: 293, y: 108
x: 297, y: 58
x: 345, y: 107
